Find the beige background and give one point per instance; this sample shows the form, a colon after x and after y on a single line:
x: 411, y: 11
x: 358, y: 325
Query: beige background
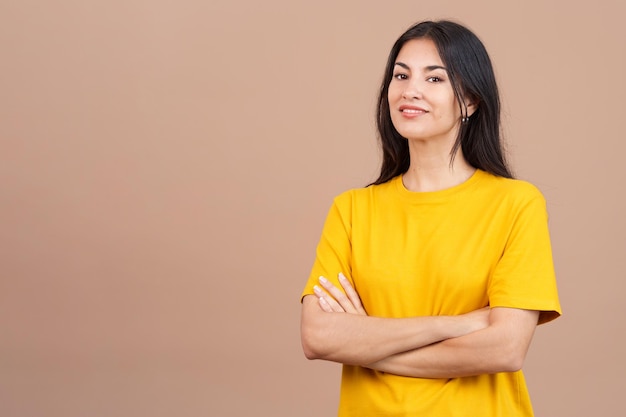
x: 166, y: 166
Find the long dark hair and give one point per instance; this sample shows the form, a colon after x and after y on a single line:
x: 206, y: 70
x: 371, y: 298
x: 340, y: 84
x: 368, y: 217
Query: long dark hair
x: 471, y: 75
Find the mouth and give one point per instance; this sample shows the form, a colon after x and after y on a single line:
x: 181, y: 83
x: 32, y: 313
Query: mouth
x: 412, y: 110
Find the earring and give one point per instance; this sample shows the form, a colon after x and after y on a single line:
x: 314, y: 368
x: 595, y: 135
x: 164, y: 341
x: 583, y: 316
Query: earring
x: 465, y: 119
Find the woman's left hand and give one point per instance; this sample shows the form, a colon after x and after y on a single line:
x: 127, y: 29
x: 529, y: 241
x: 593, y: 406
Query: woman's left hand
x: 333, y: 300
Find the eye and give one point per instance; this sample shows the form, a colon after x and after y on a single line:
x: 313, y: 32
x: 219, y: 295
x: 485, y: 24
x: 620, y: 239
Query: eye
x: 434, y: 79
x: 400, y: 76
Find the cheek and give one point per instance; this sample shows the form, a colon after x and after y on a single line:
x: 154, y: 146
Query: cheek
x: 394, y: 92
x: 455, y: 111
x: 448, y: 109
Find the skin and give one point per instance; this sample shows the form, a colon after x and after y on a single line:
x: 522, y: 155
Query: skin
x: 420, y: 81
x: 498, y: 342
x: 335, y: 327
x: 358, y: 339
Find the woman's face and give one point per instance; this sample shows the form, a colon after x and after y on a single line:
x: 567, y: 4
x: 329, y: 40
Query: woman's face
x: 422, y: 103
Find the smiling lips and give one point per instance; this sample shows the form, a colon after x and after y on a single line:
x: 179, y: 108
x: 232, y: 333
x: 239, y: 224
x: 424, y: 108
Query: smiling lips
x: 411, y: 111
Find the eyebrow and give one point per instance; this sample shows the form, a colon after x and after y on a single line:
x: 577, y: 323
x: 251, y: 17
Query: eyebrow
x: 427, y: 68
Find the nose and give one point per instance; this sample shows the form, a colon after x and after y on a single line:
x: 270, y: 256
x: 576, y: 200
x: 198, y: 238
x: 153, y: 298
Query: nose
x: 412, y: 91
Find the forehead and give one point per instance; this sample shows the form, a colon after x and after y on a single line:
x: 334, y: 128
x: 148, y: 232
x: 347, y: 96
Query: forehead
x: 419, y: 53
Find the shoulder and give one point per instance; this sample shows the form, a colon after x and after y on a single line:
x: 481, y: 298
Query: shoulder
x: 509, y: 189
x: 364, y: 195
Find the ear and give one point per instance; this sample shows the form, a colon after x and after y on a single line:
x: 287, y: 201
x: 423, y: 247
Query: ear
x: 472, y: 105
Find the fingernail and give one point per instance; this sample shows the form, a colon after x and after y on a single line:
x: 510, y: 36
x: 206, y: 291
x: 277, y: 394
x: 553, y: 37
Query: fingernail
x: 317, y: 289
x: 342, y: 276
x: 323, y: 280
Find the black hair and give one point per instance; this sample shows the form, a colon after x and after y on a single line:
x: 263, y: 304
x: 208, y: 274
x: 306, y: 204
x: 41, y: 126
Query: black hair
x: 471, y: 75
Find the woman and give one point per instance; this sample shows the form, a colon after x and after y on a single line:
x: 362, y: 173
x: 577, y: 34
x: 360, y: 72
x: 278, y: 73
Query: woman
x: 429, y: 283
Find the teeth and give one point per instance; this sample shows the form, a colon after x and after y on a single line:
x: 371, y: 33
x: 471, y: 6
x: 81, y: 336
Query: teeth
x: 412, y: 111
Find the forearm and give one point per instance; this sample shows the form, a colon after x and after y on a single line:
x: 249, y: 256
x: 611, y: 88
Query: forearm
x: 360, y: 340
x: 501, y: 347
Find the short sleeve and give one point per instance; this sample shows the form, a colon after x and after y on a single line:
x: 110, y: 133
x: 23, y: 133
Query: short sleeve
x: 524, y: 276
x: 334, y: 250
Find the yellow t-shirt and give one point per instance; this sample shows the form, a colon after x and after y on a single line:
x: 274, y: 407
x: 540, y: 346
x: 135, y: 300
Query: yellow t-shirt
x: 483, y: 242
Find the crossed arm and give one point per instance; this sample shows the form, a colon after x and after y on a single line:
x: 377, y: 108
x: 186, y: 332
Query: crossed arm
x: 335, y: 327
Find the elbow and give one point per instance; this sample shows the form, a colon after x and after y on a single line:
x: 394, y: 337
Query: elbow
x: 311, y: 345
x: 513, y: 332
x: 512, y: 360
x: 313, y: 330
x: 512, y: 365
x: 314, y: 336
x: 308, y: 346
x: 309, y: 352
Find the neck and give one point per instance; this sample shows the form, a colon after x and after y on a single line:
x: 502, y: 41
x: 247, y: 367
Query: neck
x: 431, y: 170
